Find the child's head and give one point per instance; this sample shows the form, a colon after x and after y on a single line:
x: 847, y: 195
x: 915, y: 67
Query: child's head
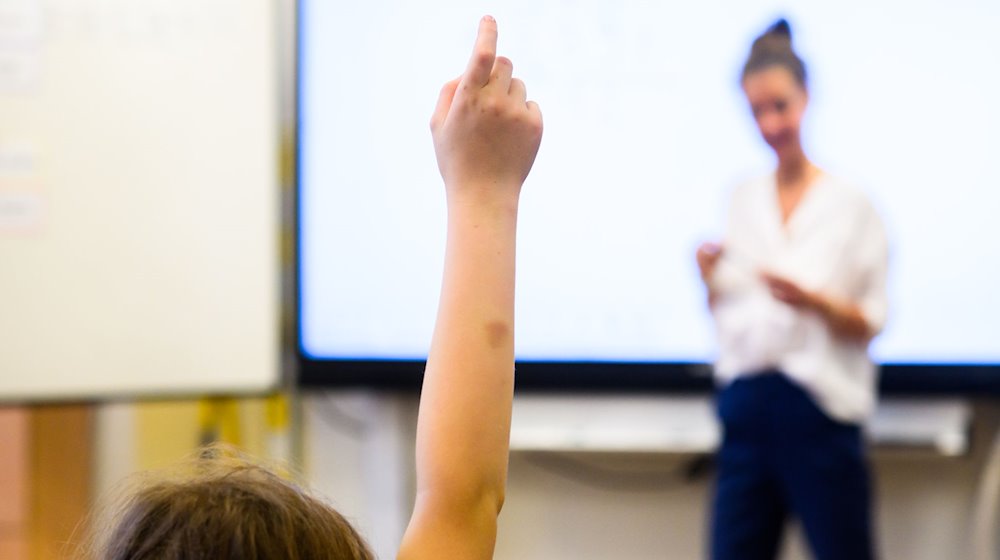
x: 221, y: 506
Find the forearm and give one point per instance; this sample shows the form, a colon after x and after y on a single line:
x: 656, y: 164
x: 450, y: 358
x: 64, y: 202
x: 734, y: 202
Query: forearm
x: 844, y: 318
x: 464, y: 424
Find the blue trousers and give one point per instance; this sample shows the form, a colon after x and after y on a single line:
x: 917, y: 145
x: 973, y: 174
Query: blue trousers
x: 782, y: 456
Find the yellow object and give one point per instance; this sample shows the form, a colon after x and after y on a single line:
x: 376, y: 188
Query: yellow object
x: 219, y: 420
x: 165, y: 432
x: 168, y: 431
x: 278, y: 417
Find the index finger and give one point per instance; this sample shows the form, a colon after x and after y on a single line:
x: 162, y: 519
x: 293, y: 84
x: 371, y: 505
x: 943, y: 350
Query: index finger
x: 483, y: 54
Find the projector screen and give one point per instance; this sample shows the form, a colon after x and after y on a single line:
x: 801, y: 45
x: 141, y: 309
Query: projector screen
x: 646, y: 134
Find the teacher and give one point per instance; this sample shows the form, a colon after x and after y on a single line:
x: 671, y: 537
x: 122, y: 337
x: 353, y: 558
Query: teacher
x: 797, y: 291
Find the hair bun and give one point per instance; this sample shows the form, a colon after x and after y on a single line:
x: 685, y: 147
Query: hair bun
x: 780, y: 28
x: 777, y: 38
x: 774, y: 48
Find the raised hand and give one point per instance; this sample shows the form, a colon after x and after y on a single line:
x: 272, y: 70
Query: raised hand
x: 486, y: 136
x: 486, y: 133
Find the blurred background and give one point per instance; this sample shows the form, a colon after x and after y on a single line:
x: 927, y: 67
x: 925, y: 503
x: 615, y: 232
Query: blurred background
x: 149, y: 272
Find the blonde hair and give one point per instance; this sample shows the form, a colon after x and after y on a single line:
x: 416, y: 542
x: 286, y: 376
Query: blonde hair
x: 221, y: 505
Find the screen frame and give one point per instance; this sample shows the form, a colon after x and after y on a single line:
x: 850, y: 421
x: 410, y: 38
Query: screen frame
x: 898, y: 379
x: 968, y: 380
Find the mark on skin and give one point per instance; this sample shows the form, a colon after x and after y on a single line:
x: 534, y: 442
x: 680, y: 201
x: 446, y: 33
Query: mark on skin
x: 497, y: 333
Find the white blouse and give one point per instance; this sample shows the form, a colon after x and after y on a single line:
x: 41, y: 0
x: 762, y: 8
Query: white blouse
x: 834, y: 243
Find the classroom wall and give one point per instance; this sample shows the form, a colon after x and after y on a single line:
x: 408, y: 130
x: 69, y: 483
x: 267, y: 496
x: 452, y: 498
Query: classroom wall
x: 358, y: 452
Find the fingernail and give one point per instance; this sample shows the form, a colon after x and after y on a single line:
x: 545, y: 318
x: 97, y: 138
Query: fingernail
x: 489, y: 18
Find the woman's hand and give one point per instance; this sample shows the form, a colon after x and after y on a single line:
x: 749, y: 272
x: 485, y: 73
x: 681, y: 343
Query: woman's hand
x: 789, y: 292
x: 708, y: 256
x: 844, y: 318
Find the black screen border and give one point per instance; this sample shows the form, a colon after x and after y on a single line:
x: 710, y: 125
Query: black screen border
x: 967, y: 380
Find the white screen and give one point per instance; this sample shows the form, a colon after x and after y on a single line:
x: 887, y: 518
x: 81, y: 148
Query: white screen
x: 646, y: 133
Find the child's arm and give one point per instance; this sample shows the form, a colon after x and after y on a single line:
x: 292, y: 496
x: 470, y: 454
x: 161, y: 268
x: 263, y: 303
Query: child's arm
x: 486, y: 136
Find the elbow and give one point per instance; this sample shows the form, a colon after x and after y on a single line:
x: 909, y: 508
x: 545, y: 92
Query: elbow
x: 867, y: 329
x: 480, y: 494
x: 500, y: 496
x: 858, y: 332
x: 490, y: 494
x: 483, y: 502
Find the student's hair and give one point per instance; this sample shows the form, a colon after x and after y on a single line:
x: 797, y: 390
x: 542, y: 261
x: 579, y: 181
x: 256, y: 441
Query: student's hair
x: 774, y: 48
x: 222, y: 506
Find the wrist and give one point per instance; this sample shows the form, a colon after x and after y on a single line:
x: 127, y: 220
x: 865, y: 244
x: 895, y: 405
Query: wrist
x: 490, y: 198
x: 821, y: 305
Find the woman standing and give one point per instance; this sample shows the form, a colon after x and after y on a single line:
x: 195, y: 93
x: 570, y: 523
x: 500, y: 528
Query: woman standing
x: 797, y: 291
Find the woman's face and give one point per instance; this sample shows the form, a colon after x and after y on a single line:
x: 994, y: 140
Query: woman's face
x: 778, y: 103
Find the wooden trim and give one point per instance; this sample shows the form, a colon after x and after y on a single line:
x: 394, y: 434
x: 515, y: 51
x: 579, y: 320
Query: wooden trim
x: 60, y: 449
x: 13, y: 483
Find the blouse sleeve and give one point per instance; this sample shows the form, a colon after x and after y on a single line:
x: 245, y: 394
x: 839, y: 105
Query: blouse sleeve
x: 734, y: 271
x: 873, y: 265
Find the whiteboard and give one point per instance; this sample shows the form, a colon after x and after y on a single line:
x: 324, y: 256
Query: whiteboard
x: 139, y: 198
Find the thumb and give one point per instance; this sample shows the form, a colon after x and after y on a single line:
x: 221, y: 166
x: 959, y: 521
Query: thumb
x: 444, y: 103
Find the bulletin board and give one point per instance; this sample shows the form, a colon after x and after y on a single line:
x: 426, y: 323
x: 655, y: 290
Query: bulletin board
x: 139, y: 198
